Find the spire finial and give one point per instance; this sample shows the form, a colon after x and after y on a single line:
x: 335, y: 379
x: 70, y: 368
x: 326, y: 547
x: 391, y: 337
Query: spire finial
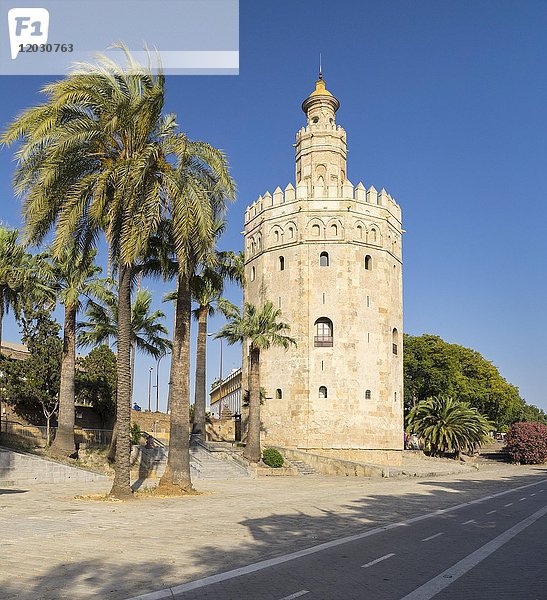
x: 320, y: 68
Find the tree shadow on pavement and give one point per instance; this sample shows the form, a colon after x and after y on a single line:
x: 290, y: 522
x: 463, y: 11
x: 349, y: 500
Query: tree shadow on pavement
x: 90, y: 579
x: 282, y: 533
x: 294, y: 524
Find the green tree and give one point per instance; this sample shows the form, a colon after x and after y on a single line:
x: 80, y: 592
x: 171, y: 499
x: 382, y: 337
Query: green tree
x: 96, y: 381
x: 258, y: 330
x: 207, y: 289
x: 33, y: 384
x: 99, y: 155
x: 70, y: 275
x: 147, y: 330
x: 12, y: 265
x: 433, y: 367
x: 448, y: 425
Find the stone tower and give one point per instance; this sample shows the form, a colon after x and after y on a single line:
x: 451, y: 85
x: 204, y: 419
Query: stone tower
x: 328, y: 254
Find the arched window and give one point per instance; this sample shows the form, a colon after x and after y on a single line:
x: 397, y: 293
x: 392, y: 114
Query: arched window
x: 395, y: 340
x: 252, y: 273
x: 324, y: 259
x: 323, y: 333
x: 322, y: 392
x: 368, y: 262
x: 359, y: 232
x: 278, y: 394
x: 373, y: 235
x: 394, y: 396
x: 315, y: 230
x: 334, y: 230
x: 276, y: 236
x: 291, y: 232
x: 281, y: 263
x: 368, y: 395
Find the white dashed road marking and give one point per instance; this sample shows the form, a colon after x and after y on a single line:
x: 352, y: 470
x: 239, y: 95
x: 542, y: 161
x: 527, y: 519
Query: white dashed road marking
x: 444, y: 579
x: 510, y: 504
x: 169, y: 592
x: 522, y: 499
x: 491, y: 512
x: 470, y: 521
x: 296, y: 595
x: 374, y: 562
x: 432, y: 537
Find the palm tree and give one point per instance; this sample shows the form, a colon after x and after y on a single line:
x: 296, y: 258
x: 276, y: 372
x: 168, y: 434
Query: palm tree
x: 260, y: 329
x: 194, y: 205
x: 99, y: 156
x: 147, y: 331
x: 207, y: 289
x: 70, y: 275
x: 448, y: 425
x: 12, y: 259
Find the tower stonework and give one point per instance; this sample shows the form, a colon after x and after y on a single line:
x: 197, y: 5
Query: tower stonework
x: 328, y: 254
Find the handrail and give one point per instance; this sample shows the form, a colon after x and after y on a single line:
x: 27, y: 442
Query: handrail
x: 155, y: 439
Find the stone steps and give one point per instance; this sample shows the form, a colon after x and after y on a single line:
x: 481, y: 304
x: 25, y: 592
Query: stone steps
x: 302, y: 467
x: 206, y: 466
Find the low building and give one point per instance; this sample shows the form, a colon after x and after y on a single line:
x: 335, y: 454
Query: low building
x: 14, y: 350
x: 227, y: 394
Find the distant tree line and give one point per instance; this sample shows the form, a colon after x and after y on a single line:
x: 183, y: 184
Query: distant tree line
x: 433, y: 367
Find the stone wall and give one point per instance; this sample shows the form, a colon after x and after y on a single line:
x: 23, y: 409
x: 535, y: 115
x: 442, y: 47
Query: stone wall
x: 154, y: 423
x: 330, y: 465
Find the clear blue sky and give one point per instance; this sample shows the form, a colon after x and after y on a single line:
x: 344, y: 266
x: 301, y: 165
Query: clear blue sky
x: 444, y: 104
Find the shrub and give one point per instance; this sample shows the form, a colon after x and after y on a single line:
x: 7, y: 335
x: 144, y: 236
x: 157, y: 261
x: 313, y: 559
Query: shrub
x: 527, y: 443
x: 135, y: 434
x: 448, y: 425
x: 272, y: 458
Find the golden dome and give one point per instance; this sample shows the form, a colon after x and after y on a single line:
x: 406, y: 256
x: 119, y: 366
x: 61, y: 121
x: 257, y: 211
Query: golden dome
x: 320, y: 88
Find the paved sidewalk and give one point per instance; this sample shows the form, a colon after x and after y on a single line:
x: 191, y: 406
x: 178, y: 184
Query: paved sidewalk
x: 57, y: 547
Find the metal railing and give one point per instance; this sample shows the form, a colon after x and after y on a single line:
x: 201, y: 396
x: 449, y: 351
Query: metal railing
x: 31, y: 432
x: 94, y: 437
x: 322, y: 341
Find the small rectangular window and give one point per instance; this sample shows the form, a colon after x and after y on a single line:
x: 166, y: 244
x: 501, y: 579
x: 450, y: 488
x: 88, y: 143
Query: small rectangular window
x: 368, y: 301
x: 324, y: 297
x: 279, y: 301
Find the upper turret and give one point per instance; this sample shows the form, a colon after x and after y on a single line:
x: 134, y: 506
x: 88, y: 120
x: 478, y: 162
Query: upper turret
x: 321, y: 145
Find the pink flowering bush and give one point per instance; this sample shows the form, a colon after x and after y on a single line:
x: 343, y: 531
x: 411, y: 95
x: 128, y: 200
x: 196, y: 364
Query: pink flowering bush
x: 527, y: 443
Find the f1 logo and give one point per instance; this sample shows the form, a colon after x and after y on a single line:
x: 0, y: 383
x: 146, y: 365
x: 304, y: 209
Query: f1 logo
x: 27, y: 26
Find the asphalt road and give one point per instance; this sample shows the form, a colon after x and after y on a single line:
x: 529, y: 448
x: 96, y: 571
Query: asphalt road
x: 493, y: 547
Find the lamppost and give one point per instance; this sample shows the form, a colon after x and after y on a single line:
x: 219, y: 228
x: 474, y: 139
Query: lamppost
x: 158, y: 381
x: 149, y: 385
x: 219, y: 376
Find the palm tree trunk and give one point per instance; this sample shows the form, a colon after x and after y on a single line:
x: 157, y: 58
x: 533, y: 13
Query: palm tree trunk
x: 64, y: 439
x: 252, y: 449
x: 121, y: 488
x: 133, y: 349
x: 177, y: 472
x: 201, y: 363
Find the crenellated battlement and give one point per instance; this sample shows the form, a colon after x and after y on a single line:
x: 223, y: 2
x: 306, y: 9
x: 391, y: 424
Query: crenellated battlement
x: 322, y: 129
x: 359, y: 194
